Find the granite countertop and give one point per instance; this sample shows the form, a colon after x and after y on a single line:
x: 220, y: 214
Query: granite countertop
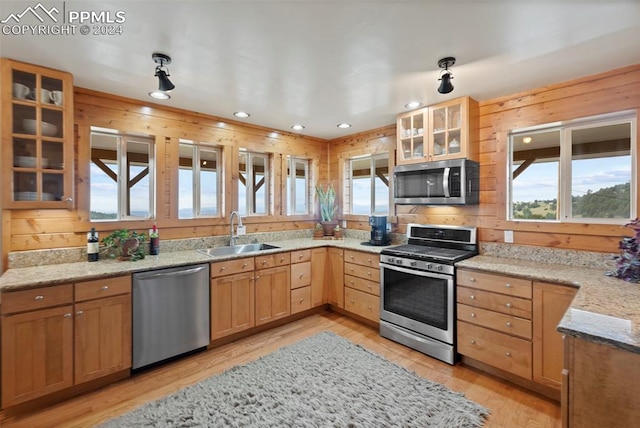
x: 605, y: 309
x: 38, y: 276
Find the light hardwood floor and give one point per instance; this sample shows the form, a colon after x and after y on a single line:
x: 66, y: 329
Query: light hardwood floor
x: 510, y: 406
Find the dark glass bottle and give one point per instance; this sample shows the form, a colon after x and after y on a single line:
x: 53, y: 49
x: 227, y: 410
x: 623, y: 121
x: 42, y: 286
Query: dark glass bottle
x: 154, y: 241
x: 92, y: 245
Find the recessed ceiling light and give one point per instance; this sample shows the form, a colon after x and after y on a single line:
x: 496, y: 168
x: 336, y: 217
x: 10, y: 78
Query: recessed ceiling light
x: 297, y: 127
x: 527, y: 140
x: 241, y: 114
x: 159, y: 95
x: 344, y: 125
x: 413, y: 104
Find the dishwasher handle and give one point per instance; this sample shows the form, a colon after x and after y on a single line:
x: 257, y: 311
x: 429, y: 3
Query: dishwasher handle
x: 182, y: 272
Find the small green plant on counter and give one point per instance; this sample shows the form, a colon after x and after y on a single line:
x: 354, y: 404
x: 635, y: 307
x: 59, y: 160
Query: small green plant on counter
x: 123, y: 244
x: 628, y: 262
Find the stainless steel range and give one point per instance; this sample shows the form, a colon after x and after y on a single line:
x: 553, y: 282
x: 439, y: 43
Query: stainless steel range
x: 417, y: 288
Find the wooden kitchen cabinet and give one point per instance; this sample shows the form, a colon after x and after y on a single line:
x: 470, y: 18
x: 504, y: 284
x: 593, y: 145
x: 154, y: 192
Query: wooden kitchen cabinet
x: 273, y: 294
x: 232, y: 301
x: 102, y: 327
x: 318, y: 272
x: 362, y: 284
x: 335, y: 277
x: 37, y: 137
x: 300, y: 281
x: 411, y: 136
x: 51, y: 341
x: 453, y: 131
x: 550, y: 302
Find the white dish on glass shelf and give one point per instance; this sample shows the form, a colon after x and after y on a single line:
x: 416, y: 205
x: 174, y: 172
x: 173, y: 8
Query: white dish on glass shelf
x: 30, y: 162
x: 31, y: 127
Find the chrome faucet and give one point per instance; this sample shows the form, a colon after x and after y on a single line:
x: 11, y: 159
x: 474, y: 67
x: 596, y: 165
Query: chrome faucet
x: 232, y: 238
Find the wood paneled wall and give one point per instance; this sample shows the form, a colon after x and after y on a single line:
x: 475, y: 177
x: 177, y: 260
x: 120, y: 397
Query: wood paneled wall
x: 43, y: 229
x: 613, y: 91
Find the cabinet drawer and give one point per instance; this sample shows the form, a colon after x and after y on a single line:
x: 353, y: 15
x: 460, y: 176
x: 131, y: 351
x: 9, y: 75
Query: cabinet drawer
x: 499, y: 350
x: 366, y: 272
x: 300, y: 256
x: 273, y: 260
x: 496, y: 302
x: 495, y: 321
x: 497, y: 283
x: 300, y: 299
x: 36, y: 298
x: 360, y: 258
x: 89, y: 290
x: 364, y: 304
x: 300, y: 274
x: 361, y: 284
x: 230, y: 267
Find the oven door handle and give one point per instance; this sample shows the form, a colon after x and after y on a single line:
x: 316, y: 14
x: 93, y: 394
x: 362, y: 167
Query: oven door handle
x: 414, y: 271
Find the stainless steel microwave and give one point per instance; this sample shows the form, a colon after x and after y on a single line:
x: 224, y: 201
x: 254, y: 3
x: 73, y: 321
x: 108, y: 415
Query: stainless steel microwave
x: 447, y: 182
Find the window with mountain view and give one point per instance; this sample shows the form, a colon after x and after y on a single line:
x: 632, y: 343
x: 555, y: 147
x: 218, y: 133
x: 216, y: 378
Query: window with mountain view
x: 121, y: 176
x: 367, y: 189
x: 581, y: 171
x: 253, y: 183
x: 198, y: 180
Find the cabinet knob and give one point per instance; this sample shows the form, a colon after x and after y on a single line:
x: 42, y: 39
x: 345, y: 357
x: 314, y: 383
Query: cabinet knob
x: 281, y: 259
x: 67, y: 315
x: 301, y: 275
x: 39, y: 297
x: 472, y: 341
x: 244, y: 265
x: 352, y: 281
x: 352, y: 301
x: 351, y: 257
x: 301, y: 300
x: 473, y: 314
x: 223, y: 268
x: 472, y: 279
x: 257, y: 277
x: 508, y: 285
x: 369, y: 260
x: 370, y: 308
x: 264, y: 262
x: 509, y: 324
x: 300, y: 256
x: 472, y: 297
x: 507, y: 354
x: 79, y: 313
x: 508, y: 305
x: 369, y: 286
x: 104, y: 288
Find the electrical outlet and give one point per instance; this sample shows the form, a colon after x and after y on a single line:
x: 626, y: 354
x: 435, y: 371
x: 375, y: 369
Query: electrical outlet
x: 344, y: 224
x: 242, y: 230
x: 508, y: 236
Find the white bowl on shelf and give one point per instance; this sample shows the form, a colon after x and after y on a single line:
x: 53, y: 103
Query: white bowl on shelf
x: 25, y: 161
x: 26, y: 196
x: 31, y: 127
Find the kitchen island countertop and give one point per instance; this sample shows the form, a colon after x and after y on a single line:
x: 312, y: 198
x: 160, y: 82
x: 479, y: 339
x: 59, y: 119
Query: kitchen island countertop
x: 605, y: 309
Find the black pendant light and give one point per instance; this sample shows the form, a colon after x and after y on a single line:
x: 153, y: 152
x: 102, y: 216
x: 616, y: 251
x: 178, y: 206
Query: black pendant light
x: 164, y: 84
x: 445, y: 75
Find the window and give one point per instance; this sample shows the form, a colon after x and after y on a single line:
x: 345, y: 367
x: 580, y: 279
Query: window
x: 198, y: 180
x: 368, y: 185
x: 122, y: 178
x: 581, y: 171
x: 254, y: 185
x: 297, y: 185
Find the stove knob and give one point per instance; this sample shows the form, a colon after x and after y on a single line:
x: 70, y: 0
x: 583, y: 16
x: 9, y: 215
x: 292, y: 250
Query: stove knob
x: 429, y: 266
x: 390, y: 259
x: 399, y: 261
x: 413, y: 264
x: 439, y: 268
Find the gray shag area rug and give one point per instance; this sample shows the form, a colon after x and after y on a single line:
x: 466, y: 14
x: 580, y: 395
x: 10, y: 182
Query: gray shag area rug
x: 321, y: 381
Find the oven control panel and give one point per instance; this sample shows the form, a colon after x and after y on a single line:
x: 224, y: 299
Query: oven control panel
x: 429, y: 266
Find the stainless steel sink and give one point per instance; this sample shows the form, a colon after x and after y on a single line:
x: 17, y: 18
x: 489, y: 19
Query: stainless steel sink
x: 236, y: 249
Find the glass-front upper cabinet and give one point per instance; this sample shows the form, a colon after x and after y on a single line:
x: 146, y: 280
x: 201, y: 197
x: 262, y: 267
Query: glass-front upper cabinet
x: 411, y: 133
x: 454, y: 129
x: 37, y: 136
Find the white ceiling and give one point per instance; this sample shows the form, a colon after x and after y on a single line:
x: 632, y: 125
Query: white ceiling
x: 320, y: 63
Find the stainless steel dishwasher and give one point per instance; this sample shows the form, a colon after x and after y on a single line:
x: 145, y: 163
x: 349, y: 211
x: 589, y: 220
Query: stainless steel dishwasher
x: 170, y: 313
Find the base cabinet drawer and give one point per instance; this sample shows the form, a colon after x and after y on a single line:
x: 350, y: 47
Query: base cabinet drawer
x: 495, y: 302
x: 496, y: 321
x: 364, y: 304
x: 300, y: 299
x: 499, y: 350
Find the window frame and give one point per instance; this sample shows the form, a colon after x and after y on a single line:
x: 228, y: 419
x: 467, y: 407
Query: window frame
x: 291, y: 198
x: 197, y: 147
x: 250, y: 155
x: 371, y: 157
x: 123, y: 139
x: 564, y: 198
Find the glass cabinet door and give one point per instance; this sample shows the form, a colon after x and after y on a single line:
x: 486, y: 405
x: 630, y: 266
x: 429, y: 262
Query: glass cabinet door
x: 446, y: 134
x: 40, y: 150
x: 411, y: 128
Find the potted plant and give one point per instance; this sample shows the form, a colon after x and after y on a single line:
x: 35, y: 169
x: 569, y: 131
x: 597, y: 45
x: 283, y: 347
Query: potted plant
x: 123, y: 244
x: 318, y: 231
x: 327, y: 199
x: 628, y: 262
x: 337, y: 232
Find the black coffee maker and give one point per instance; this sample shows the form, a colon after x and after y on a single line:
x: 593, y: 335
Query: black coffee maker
x: 379, y: 234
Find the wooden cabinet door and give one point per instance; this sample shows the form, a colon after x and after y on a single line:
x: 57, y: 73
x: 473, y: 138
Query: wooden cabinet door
x: 102, y: 337
x: 318, y: 271
x: 273, y: 294
x: 550, y: 302
x: 335, y: 277
x: 37, y: 354
x: 232, y: 304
